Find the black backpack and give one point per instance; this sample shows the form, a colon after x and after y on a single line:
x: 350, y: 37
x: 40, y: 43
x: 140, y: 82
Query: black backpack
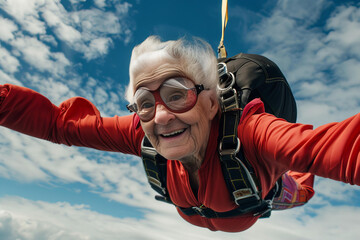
x: 259, y: 77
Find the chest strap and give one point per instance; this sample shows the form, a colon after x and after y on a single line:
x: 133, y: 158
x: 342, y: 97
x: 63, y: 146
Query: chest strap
x: 155, y: 168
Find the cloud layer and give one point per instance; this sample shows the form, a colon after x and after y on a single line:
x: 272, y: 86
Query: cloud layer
x: 322, y: 63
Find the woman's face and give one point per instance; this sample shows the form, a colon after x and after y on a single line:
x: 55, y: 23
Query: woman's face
x: 177, y: 135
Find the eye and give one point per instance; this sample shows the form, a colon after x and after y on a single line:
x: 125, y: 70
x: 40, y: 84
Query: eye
x: 144, y: 99
x: 146, y: 105
x: 176, y: 96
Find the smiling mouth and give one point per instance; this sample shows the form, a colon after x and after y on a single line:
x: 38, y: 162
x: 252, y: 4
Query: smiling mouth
x: 173, y: 134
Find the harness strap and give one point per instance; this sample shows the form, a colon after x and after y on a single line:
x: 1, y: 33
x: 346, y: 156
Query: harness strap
x: 155, y: 169
x: 237, y: 172
x: 209, y: 213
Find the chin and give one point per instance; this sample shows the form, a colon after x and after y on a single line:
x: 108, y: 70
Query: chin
x: 174, y: 154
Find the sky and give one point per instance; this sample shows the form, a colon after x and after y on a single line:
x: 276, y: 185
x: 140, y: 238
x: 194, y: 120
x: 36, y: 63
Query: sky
x: 82, y: 48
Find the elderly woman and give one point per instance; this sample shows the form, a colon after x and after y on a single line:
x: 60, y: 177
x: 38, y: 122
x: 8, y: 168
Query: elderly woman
x: 184, y: 129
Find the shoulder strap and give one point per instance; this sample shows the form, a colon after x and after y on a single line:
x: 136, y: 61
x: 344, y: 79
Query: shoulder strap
x: 238, y: 173
x: 155, y: 167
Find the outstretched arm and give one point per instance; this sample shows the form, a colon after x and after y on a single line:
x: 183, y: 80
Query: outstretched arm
x: 75, y: 122
x: 331, y: 151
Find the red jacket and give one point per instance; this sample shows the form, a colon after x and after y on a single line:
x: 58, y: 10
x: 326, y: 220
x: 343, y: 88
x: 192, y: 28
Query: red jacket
x: 271, y: 145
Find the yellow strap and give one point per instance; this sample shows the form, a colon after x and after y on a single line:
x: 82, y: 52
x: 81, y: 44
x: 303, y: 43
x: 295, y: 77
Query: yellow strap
x: 224, y: 16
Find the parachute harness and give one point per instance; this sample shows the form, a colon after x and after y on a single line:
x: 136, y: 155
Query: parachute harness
x: 238, y: 174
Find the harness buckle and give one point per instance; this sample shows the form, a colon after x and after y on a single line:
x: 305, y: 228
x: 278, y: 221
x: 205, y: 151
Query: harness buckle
x: 156, y: 183
x: 266, y: 211
x: 229, y: 151
x: 199, y: 210
x: 148, y: 150
x: 227, y: 79
x: 243, y: 193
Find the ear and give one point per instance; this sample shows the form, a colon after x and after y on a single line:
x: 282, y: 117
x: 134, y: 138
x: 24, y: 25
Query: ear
x: 212, y: 103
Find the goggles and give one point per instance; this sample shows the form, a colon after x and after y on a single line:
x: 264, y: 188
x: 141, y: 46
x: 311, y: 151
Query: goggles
x: 178, y: 95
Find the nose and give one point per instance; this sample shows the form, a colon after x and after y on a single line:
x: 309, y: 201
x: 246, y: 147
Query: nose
x: 162, y: 115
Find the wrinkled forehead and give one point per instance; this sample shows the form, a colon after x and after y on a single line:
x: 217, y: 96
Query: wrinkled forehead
x: 152, y: 68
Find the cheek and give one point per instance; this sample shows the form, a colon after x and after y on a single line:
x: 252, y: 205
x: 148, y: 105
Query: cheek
x: 148, y: 129
x: 200, y: 124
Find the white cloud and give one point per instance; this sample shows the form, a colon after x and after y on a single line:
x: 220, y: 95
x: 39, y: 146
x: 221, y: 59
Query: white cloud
x: 32, y: 160
x: 26, y: 14
x: 32, y: 38
x: 100, y: 3
x: 38, y: 55
x: 30, y: 220
x: 98, y: 47
x: 55, y: 90
x: 8, y: 62
x: 332, y: 190
x: 35, y: 220
x: 105, y: 95
x: 344, y: 27
x: 86, y: 31
x: 7, y: 29
x: 62, y: 30
x: 350, y: 71
x: 6, y: 78
x: 101, y: 96
x: 296, y: 10
x: 42, y: 37
x: 322, y: 65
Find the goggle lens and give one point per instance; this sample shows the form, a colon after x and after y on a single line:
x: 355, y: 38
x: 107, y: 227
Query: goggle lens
x: 176, y: 94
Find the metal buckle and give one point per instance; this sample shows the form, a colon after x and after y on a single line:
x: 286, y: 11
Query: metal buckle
x: 243, y: 193
x: 222, y: 68
x: 223, y: 72
x: 156, y: 183
x: 229, y: 151
x: 199, y: 211
x: 251, y: 180
x: 268, y: 209
x: 148, y: 150
x: 229, y: 100
x: 229, y: 85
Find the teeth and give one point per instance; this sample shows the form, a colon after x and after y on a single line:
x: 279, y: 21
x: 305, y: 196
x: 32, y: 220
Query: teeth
x: 173, y: 133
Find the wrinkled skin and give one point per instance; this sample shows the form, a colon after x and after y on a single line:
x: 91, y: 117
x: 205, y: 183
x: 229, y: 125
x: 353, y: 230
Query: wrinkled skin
x: 177, y: 136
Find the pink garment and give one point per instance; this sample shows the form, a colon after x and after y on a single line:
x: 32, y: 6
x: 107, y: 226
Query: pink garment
x: 295, y: 190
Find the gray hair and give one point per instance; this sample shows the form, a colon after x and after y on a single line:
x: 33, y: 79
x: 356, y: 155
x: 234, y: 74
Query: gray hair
x: 196, y: 57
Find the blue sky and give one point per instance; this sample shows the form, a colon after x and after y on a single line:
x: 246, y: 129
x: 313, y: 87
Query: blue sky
x: 82, y: 48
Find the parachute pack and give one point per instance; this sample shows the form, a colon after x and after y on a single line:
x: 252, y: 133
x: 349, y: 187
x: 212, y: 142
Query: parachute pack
x: 258, y: 77
x: 241, y: 79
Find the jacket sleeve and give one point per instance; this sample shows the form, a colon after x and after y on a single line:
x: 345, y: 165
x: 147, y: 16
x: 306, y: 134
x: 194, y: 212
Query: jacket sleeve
x: 330, y: 151
x: 75, y: 122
